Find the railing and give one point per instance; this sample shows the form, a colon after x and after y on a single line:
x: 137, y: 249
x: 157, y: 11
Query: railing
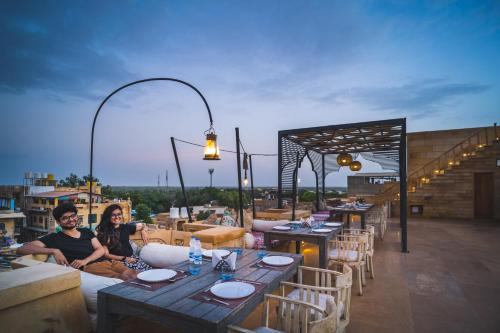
x: 452, y: 157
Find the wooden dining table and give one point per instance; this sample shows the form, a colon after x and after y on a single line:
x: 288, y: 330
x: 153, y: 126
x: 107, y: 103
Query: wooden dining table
x: 361, y: 211
x: 305, y: 234
x: 174, y: 307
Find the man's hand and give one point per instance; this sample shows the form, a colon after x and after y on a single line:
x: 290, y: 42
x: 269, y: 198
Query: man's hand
x: 144, y: 236
x: 60, y: 258
x: 79, y: 263
x: 130, y: 260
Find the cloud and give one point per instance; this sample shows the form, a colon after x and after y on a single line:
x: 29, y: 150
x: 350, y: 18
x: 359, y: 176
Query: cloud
x: 417, y: 98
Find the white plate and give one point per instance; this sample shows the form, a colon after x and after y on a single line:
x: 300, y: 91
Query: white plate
x: 277, y: 260
x: 322, y: 230
x: 333, y: 224
x: 281, y: 227
x: 232, y: 290
x: 156, y: 275
x: 295, y: 222
x: 221, y: 252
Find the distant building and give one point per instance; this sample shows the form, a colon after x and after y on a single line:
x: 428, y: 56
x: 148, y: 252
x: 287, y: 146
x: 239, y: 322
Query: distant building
x: 369, y: 183
x: 11, y: 223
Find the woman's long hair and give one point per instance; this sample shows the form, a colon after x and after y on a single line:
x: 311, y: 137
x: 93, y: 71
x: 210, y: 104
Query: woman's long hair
x: 107, y: 234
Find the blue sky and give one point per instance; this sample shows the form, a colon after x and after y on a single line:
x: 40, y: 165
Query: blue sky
x: 262, y: 65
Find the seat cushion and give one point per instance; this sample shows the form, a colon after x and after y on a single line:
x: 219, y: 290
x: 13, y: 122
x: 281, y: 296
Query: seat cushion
x: 162, y: 255
x: 91, y: 284
x: 266, y: 330
x: 219, y: 235
x: 266, y: 225
x: 348, y: 255
x: 295, y: 295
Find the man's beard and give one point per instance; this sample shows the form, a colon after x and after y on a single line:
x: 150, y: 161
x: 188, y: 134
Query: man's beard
x: 67, y: 227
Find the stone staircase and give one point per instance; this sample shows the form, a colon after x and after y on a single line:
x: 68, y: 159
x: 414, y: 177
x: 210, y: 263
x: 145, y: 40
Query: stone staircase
x: 444, y: 187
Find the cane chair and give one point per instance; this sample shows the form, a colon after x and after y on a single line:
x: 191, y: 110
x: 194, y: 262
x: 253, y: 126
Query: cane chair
x: 377, y: 216
x: 350, y: 250
x: 370, y: 249
x: 336, y: 283
x: 295, y: 316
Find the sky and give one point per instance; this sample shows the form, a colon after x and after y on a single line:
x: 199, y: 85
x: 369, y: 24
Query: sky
x: 263, y: 66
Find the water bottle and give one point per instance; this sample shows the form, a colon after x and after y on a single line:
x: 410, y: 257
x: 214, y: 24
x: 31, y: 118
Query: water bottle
x: 197, y: 252
x: 191, y: 249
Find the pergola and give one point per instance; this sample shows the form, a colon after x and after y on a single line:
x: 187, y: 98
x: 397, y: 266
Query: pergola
x: 382, y: 141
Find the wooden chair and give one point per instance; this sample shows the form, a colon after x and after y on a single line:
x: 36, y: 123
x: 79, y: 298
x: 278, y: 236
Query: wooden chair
x: 336, y: 283
x: 370, y: 249
x: 350, y: 250
x: 377, y: 217
x: 295, y: 316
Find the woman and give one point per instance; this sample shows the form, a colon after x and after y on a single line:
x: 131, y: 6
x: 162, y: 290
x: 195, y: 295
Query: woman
x: 114, y: 235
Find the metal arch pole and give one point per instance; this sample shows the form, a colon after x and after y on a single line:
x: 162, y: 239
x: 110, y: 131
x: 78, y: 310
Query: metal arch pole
x: 114, y: 92
x: 251, y: 185
x: 403, y: 194
x: 295, y: 176
x: 280, y: 172
x: 179, y: 171
x: 323, y: 175
x: 238, y: 162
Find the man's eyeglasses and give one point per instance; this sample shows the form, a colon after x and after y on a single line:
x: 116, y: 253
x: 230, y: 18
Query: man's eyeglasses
x: 116, y: 216
x: 66, y: 218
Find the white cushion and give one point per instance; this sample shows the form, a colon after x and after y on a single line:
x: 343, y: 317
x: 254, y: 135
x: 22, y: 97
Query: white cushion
x: 295, y: 295
x: 91, y: 283
x: 162, y: 255
x: 249, y: 240
x: 265, y: 225
x: 174, y: 212
x: 348, y: 255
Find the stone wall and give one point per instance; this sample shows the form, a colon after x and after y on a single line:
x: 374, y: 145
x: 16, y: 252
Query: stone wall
x: 452, y: 195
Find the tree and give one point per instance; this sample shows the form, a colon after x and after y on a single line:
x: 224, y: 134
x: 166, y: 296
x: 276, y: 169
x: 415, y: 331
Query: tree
x: 71, y: 181
x: 143, y: 211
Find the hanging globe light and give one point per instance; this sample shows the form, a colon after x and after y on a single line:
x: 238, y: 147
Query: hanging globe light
x: 344, y: 159
x: 211, y: 151
x: 355, y: 166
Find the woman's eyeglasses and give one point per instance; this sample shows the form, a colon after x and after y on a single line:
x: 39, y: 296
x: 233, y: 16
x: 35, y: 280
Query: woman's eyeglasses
x: 116, y: 216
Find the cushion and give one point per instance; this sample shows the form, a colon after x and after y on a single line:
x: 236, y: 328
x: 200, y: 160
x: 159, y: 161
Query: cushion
x: 322, y: 301
x: 92, y: 283
x: 249, y: 241
x: 266, y: 225
x: 162, y: 255
x: 348, y: 255
x: 259, y: 240
x: 219, y: 235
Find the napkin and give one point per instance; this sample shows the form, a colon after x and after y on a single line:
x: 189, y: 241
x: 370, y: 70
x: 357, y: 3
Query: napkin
x: 309, y: 221
x: 218, y: 262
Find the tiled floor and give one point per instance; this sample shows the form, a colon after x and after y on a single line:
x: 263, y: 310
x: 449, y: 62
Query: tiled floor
x: 449, y: 282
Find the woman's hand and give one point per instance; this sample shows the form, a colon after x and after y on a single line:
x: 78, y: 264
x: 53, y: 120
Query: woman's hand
x: 79, y: 263
x: 130, y: 260
x: 144, y: 236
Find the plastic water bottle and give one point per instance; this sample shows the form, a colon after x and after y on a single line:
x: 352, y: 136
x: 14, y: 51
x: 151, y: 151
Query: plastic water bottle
x: 192, y: 243
x: 197, y: 252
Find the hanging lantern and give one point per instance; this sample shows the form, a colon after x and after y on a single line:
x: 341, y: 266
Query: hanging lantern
x: 211, y: 150
x: 344, y: 159
x: 245, y: 180
x: 355, y: 166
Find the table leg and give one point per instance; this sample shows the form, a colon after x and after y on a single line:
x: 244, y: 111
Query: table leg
x: 323, y: 254
x: 297, y: 247
x: 106, y: 322
x: 267, y: 241
x: 363, y: 221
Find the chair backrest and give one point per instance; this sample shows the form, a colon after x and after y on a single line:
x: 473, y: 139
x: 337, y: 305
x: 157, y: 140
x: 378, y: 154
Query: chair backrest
x: 180, y: 238
x: 346, y: 244
x: 296, y: 316
x: 161, y: 236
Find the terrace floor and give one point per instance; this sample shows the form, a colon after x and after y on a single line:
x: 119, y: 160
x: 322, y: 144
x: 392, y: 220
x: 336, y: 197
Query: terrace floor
x: 449, y: 282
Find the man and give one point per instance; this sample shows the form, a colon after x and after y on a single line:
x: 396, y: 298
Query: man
x: 77, y: 247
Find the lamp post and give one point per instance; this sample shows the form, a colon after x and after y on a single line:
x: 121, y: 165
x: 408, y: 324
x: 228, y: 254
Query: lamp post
x: 211, y: 148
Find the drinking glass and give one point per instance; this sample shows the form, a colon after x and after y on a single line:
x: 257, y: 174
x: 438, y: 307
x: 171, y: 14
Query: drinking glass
x: 261, y: 252
x: 238, y: 250
x: 226, y: 273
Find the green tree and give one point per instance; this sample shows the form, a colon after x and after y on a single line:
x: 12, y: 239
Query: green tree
x: 71, y: 181
x: 143, y: 212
